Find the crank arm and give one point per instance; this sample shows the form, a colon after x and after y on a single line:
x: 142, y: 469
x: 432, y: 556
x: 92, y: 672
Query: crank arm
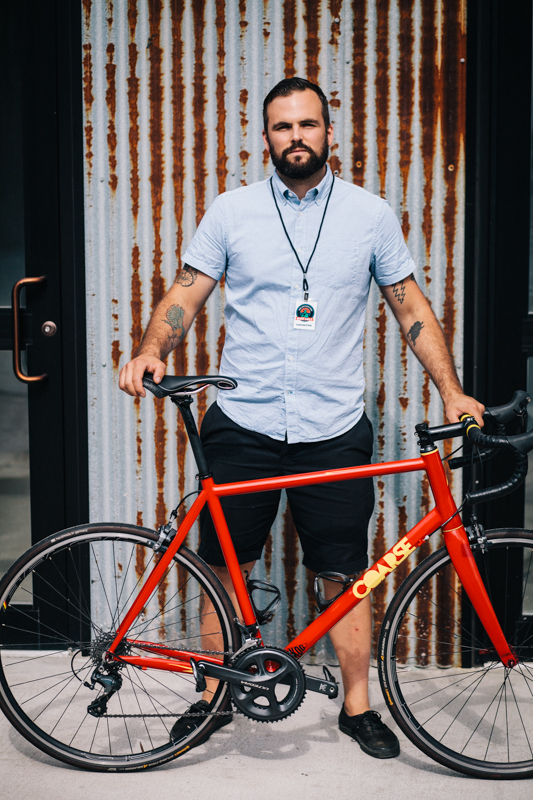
x: 327, y: 685
x: 230, y: 675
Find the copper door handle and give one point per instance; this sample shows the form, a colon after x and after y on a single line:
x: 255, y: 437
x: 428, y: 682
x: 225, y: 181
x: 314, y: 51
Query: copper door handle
x: 15, y: 295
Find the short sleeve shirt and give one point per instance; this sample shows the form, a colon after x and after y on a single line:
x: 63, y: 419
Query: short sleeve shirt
x: 306, y: 385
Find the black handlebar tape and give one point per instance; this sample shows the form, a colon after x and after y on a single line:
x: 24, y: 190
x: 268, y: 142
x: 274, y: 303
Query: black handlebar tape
x: 515, y: 481
x: 516, y: 405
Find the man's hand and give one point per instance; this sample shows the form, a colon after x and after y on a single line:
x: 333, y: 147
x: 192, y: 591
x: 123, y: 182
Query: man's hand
x: 131, y: 375
x: 460, y: 404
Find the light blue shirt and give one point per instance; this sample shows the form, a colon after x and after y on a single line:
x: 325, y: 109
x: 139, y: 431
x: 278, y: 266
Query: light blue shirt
x: 305, y: 384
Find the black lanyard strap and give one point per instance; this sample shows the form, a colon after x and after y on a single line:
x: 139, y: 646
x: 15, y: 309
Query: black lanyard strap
x: 304, y: 269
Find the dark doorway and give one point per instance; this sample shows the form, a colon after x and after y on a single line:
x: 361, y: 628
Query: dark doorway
x: 43, y: 424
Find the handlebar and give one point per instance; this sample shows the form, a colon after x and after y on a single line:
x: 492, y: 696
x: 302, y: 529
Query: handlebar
x: 519, y: 445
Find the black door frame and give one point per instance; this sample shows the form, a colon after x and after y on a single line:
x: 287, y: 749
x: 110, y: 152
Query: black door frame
x: 54, y: 241
x: 498, y: 154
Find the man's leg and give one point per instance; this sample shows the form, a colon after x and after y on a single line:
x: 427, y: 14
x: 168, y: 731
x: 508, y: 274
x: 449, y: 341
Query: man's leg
x: 351, y: 638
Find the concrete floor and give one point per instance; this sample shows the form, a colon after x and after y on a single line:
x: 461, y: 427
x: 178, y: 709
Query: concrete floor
x: 305, y: 756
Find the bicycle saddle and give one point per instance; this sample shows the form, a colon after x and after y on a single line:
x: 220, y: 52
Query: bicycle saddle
x: 189, y: 384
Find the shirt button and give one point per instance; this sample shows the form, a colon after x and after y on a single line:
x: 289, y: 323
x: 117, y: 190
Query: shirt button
x: 291, y: 358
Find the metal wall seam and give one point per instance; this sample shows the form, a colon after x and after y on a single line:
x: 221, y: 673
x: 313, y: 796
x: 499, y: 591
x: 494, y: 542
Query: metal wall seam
x: 173, y: 92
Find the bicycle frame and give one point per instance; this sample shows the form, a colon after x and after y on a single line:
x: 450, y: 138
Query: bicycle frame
x: 443, y: 514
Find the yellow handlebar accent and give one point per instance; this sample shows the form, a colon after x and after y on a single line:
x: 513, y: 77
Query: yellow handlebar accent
x: 472, y: 424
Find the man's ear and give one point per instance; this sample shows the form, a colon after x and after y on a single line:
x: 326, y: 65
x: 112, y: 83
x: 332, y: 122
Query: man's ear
x: 265, y: 140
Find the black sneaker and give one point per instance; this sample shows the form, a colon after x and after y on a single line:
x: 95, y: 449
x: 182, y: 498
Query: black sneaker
x: 374, y: 737
x: 186, y: 724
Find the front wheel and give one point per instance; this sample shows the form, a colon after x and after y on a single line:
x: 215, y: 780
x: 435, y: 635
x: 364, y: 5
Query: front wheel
x: 60, y: 605
x: 442, y: 680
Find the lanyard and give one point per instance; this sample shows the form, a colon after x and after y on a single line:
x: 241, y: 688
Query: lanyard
x: 304, y: 269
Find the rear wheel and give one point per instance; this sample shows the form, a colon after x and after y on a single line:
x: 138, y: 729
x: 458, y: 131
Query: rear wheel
x: 55, y: 629
x: 442, y: 680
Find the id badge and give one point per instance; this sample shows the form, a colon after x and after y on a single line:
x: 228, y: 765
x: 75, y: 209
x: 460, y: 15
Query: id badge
x: 305, y: 315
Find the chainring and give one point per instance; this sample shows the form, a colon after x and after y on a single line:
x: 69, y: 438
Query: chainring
x: 278, y: 686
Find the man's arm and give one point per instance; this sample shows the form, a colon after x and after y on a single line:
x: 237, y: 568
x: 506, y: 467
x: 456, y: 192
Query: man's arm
x: 170, y: 322
x: 426, y: 339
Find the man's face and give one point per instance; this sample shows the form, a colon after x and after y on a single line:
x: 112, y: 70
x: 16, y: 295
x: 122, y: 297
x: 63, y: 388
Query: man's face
x: 297, y: 137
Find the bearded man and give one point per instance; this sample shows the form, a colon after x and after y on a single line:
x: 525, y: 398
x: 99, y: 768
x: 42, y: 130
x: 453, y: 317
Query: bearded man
x: 299, y: 251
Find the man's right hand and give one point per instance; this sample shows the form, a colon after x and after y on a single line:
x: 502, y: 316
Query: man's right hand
x: 131, y: 375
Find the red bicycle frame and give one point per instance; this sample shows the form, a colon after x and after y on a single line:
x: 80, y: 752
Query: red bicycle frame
x: 444, y: 514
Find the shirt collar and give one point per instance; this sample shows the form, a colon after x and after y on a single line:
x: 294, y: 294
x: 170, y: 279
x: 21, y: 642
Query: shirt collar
x: 320, y: 192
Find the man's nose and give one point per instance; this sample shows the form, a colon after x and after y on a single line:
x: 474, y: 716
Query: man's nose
x: 296, y: 133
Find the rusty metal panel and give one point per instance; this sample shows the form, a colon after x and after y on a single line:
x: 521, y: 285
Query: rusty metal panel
x: 172, y: 94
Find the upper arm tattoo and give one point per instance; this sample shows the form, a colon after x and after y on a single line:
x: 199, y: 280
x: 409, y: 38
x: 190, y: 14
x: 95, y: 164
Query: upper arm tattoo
x: 174, y: 318
x: 414, y: 332
x: 187, y: 276
x: 399, y: 288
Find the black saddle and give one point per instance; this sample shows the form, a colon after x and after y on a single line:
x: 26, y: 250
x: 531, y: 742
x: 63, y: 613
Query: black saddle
x: 186, y: 385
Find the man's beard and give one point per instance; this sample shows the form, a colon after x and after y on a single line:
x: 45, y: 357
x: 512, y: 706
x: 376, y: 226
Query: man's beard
x: 303, y: 169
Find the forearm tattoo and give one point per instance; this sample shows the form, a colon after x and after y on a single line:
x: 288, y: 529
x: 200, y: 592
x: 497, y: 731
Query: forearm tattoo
x: 174, y: 318
x: 414, y: 332
x: 187, y: 276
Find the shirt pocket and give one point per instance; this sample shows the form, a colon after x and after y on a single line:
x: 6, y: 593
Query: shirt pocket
x: 338, y: 267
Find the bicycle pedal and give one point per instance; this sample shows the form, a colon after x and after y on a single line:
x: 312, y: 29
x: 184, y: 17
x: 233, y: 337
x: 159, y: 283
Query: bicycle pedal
x: 198, y: 675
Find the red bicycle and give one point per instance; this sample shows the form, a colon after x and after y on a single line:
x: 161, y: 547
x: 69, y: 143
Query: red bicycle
x: 130, y: 625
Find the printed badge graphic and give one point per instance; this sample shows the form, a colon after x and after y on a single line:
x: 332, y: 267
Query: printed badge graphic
x: 305, y: 315
x: 305, y: 311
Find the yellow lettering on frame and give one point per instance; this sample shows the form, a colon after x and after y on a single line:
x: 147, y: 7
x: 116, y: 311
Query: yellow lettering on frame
x: 360, y: 585
x: 391, y: 560
x: 403, y: 548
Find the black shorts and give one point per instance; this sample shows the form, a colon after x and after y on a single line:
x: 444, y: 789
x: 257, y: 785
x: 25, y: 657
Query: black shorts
x: 331, y: 518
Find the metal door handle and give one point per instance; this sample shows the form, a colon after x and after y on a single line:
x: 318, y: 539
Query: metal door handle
x: 17, y: 366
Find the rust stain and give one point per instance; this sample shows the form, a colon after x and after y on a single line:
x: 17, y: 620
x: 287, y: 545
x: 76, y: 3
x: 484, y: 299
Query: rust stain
x: 335, y: 101
x: 268, y: 556
x: 312, y: 42
x: 162, y: 601
x: 266, y: 32
x: 244, y: 155
x: 404, y: 402
x: 87, y: 8
x: 136, y: 301
x: 183, y: 579
x: 222, y: 159
x: 381, y: 320
x: 429, y: 104
x: 88, y: 99
x: 400, y: 574
x: 382, y: 89
x: 111, y: 101
x: 289, y: 36
x: 116, y: 352
x: 335, y: 164
x: 136, y: 286
x: 453, y: 120
x: 379, y: 594
x: 200, y: 139
x: 179, y: 355
x: 424, y: 603
x: 266, y: 158
x: 155, y: 55
x: 290, y: 563
x: 139, y: 554
x: 242, y: 12
x: 109, y: 19
x: 406, y: 86
x: 358, y: 90
x: 335, y: 8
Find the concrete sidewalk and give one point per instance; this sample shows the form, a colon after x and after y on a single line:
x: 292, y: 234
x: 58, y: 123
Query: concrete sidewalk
x: 305, y: 756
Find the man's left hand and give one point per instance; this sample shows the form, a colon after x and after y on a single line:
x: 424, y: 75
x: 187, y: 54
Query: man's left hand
x: 459, y: 404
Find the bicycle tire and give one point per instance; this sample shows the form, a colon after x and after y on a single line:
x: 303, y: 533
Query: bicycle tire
x: 55, y: 649
x: 461, y: 706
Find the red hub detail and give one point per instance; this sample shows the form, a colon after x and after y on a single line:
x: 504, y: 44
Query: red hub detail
x: 272, y: 666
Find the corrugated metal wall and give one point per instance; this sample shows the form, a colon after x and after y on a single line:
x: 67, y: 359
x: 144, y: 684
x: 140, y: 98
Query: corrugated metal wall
x: 173, y: 91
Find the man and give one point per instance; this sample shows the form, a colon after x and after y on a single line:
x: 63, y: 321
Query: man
x: 299, y: 252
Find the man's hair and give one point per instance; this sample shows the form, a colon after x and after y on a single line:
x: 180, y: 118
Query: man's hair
x: 287, y: 87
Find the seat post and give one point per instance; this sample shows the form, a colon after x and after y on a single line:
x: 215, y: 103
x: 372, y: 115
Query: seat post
x: 184, y: 404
